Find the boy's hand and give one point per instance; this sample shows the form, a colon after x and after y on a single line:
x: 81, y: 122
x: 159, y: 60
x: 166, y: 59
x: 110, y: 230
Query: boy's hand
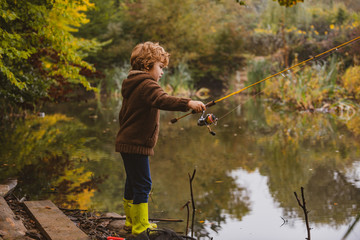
x: 197, y: 106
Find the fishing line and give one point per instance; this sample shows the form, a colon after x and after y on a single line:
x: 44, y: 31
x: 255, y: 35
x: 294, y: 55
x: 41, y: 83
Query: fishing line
x: 258, y: 93
x: 289, y: 68
x: 211, y: 119
x: 284, y: 76
x: 302, y: 64
x: 254, y: 96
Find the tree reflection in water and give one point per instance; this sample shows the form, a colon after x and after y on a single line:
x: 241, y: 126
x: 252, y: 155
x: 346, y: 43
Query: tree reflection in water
x: 69, y: 157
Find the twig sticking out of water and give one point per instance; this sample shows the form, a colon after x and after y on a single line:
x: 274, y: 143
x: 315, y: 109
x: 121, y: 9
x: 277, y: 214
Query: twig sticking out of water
x: 285, y: 221
x: 303, y: 206
x: 188, y: 215
x: 191, y: 178
x: 351, y: 227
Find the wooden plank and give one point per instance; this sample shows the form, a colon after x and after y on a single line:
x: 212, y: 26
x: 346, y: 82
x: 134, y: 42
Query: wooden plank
x: 10, y: 227
x: 7, y: 187
x: 52, y: 222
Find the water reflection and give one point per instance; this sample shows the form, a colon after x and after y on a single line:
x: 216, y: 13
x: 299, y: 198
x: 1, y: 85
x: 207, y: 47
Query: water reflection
x: 45, y: 154
x: 68, y: 156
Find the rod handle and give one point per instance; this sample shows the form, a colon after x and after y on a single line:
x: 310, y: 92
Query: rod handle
x: 210, y: 104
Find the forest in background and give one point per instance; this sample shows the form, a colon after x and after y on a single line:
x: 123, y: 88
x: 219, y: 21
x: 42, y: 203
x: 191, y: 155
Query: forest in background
x: 54, y: 50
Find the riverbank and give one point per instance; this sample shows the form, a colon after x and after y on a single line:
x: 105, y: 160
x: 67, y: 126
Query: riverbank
x: 95, y: 225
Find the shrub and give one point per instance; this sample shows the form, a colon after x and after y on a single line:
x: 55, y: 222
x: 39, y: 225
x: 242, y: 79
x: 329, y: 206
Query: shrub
x: 308, y: 87
x: 350, y: 81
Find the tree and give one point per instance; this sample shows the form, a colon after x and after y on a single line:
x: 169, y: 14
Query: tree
x: 287, y: 3
x: 202, y: 34
x: 37, y: 49
x: 106, y: 26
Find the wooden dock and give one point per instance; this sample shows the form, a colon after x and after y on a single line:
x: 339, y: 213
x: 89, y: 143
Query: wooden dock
x: 10, y: 226
x: 7, y: 187
x: 51, y: 221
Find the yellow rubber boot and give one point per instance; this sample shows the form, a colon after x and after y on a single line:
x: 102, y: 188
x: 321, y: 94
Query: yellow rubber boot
x: 140, y: 218
x: 127, y: 208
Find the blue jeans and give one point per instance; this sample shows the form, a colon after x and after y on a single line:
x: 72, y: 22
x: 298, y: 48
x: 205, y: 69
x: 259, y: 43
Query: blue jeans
x: 138, y: 179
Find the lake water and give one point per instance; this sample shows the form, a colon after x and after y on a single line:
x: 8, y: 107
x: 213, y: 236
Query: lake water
x: 245, y: 177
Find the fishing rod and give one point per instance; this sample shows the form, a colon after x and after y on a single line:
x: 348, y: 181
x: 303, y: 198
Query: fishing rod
x: 207, y: 120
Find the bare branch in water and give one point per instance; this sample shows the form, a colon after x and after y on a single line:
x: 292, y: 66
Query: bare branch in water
x: 303, y: 206
x: 191, y: 178
x: 188, y: 215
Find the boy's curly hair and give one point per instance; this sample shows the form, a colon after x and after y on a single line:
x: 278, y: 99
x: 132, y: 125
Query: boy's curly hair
x: 144, y: 55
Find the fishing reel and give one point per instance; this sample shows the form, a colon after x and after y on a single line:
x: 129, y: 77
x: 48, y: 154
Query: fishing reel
x: 207, y: 120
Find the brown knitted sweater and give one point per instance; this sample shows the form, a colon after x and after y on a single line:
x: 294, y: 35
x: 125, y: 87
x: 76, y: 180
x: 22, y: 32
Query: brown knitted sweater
x: 139, y: 115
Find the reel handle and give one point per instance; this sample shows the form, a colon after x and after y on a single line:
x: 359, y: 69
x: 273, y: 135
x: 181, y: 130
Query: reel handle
x: 210, y: 131
x: 207, y: 105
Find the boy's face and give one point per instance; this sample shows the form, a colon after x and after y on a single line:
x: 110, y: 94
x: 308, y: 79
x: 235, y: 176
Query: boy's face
x: 157, y: 71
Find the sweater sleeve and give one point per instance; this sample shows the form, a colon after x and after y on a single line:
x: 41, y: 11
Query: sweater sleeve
x: 156, y: 97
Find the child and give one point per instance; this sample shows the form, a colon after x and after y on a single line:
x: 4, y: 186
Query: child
x: 139, y: 127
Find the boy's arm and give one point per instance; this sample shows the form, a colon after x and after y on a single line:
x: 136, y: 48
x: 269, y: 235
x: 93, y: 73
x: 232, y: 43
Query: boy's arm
x: 155, y: 96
